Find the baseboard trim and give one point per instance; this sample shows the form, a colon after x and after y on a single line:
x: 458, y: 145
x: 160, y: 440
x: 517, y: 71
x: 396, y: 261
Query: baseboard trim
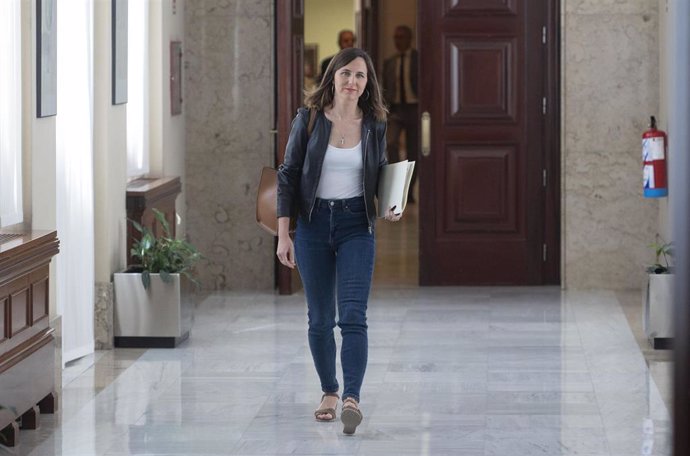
x: 149, y: 342
x: 662, y: 343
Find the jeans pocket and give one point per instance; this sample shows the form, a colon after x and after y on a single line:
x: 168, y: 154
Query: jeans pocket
x: 356, y: 209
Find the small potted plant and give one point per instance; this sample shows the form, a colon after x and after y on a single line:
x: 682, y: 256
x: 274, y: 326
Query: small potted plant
x: 658, y: 304
x: 153, y: 305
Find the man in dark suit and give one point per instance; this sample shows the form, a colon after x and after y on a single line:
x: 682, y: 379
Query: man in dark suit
x: 346, y: 39
x: 400, y: 91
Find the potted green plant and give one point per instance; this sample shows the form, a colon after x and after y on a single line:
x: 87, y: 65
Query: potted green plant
x: 658, y: 303
x: 153, y: 305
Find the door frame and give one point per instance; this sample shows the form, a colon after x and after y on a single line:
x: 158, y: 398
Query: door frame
x: 366, y: 24
x: 289, y: 69
x: 552, y: 147
x: 287, y: 73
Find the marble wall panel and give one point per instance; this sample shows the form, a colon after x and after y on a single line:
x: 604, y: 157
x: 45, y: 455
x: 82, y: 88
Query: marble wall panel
x: 56, y: 324
x: 230, y: 86
x: 615, y: 7
x: 103, y: 316
x: 610, y: 88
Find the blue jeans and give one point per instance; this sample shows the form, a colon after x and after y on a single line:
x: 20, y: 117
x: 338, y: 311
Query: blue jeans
x: 335, y: 254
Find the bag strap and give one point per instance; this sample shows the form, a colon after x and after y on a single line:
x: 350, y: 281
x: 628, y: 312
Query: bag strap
x: 312, y: 120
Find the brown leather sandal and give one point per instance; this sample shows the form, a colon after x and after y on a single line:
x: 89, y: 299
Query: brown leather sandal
x: 326, y: 411
x: 350, y: 416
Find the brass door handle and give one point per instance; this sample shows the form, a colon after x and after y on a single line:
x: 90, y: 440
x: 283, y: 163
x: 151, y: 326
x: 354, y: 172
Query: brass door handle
x: 426, y: 134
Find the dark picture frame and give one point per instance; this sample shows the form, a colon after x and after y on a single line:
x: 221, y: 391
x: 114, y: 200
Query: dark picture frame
x: 46, y: 58
x: 311, y: 65
x: 175, y: 78
x: 119, y: 51
x: 311, y: 56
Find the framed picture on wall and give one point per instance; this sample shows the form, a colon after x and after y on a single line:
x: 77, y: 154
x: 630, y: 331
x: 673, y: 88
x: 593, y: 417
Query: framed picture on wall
x: 311, y: 67
x: 46, y: 58
x: 175, y: 77
x: 119, y: 51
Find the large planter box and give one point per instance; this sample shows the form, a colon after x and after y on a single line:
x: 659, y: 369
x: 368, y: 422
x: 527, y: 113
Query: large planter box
x: 658, y: 310
x: 158, y: 317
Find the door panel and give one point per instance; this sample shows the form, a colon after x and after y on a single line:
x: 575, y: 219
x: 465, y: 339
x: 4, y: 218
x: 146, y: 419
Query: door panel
x: 481, y: 81
x: 485, y: 171
x: 482, y: 205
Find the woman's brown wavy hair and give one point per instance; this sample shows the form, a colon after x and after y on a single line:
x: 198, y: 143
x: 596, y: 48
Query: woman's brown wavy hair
x: 370, y: 102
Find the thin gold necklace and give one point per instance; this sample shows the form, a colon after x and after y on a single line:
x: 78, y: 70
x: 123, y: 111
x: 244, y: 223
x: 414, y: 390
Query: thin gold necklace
x: 340, y: 118
x: 342, y: 136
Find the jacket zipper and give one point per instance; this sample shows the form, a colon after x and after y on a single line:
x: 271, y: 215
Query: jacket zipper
x: 364, y: 180
x: 316, y: 187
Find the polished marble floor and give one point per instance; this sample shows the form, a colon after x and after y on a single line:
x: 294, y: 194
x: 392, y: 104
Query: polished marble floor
x: 452, y: 371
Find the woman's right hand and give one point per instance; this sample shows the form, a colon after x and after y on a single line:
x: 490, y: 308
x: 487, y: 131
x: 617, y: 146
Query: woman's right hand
x: 286, y: 249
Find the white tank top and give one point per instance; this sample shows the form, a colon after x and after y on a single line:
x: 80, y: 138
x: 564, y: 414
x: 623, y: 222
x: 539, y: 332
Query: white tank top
x: 342, y: 173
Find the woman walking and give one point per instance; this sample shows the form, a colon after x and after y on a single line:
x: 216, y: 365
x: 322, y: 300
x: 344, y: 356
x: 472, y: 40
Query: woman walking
x: 328, y: 180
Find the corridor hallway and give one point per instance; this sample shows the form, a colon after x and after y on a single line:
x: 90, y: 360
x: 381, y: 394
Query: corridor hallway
x: 452, y: 371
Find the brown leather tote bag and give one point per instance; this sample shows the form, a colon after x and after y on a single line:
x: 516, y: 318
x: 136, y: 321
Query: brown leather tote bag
x: 267, y: 201
x: 267, y: 196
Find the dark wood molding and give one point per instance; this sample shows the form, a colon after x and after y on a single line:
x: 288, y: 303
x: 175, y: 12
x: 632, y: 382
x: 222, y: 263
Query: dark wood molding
x: 144, y: 195
x: 25, y: 253
x: 19, y: 353
x: 145, y: 192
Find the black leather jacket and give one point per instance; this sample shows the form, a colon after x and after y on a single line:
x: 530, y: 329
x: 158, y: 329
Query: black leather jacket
x: 298, y: 176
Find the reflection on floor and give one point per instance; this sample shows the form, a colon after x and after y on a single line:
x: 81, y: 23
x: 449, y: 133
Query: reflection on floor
x: 452, y: 371
x: 397, y: 251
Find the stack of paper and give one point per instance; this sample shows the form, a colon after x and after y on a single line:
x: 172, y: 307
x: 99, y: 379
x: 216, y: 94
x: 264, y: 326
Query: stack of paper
x: 394, y: 183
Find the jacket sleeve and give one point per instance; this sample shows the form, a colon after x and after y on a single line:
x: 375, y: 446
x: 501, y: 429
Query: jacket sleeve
x: 381, y: 128
x: 290, y: 172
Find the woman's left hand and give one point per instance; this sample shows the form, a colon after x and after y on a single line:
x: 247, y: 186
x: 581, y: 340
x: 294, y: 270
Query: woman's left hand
x: 391, y: 216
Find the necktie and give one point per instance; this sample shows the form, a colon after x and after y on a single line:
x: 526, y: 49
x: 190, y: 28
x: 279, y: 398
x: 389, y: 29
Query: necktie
x: 401, y: 81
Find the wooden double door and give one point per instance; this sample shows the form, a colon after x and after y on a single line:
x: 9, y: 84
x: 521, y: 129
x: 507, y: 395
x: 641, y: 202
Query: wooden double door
x: 489, y: 168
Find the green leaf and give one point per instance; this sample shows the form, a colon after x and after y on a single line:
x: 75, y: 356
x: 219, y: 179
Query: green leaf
x: 166, y: 277
x: 146, y: 279
x: 161, y: 219
x: 137, y: 226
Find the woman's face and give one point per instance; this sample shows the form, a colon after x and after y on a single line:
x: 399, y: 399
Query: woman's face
x: 351, y: 80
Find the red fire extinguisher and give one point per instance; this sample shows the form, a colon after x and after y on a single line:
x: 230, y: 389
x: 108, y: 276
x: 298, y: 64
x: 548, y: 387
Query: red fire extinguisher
x: 654, y: 162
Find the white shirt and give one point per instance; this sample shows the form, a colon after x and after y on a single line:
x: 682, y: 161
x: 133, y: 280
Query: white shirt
x: 342, y: 174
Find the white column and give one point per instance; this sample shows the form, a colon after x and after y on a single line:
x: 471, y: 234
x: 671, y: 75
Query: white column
x: 74, y: 178
x: 11, y: 206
